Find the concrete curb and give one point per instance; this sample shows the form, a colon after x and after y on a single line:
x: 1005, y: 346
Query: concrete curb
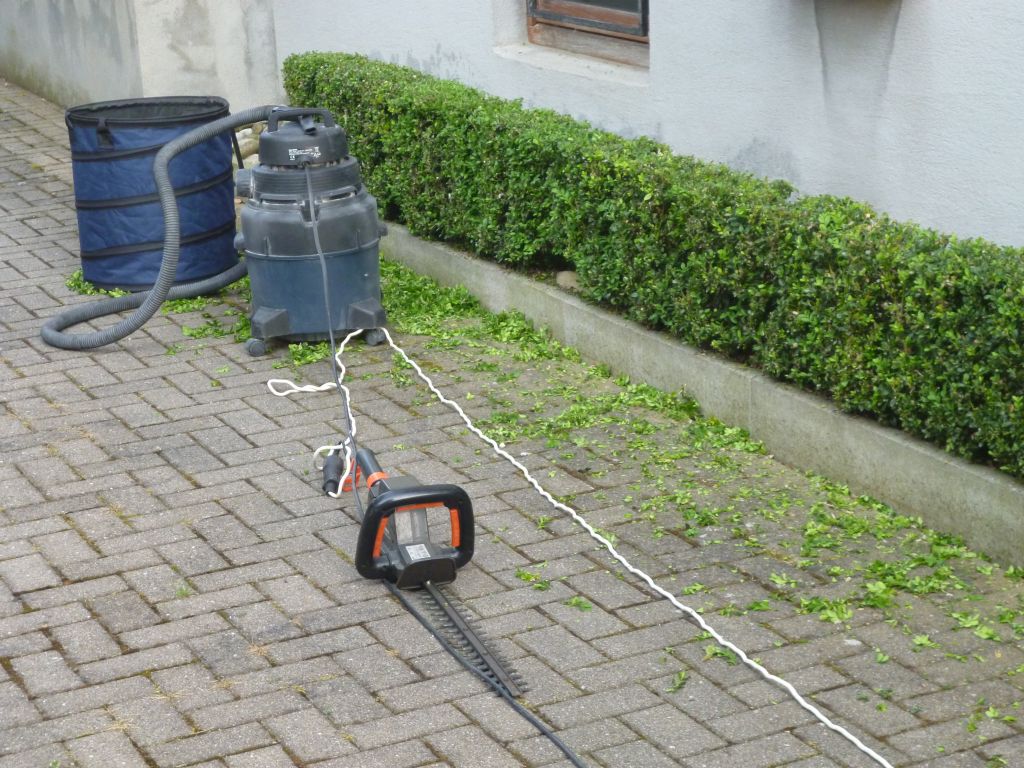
x: 983, y: 506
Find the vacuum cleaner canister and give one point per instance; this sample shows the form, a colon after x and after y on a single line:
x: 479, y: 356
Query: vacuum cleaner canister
x: 305, y: 199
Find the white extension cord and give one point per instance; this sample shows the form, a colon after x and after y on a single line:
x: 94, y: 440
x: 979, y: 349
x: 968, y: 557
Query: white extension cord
x: 284, y: 387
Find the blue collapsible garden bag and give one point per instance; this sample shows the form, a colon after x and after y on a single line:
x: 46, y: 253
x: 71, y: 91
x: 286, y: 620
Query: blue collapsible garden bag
x: 120, y: 223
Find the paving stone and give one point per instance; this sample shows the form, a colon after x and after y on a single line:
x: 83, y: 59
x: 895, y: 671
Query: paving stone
x: 364, y: 613
x: 295, y: 595
x: 85, y: 641
x: 49, y: 755
x: 321, y: 644
x: 877, y: 716
x: 612, y: 674
x: 409, y: 725
x: 785, y: 715
x: 513, y: 623
x: 228, y: 653
x: 559, y: 647
x: 903, y: 682
x: 89, y: 697
x: 130, y: 664
x: 114, y: 564
x: 123, y: 612
x: 1004, y: 748
x: 408, y: 754
x: 587, y: 623
x: 959, y: 760
x: 377, y: 667
x: 225, y: 532
x: 297, y: 526
x: 674, y: 634
x: 150, y: 720
x: 471, y: 747
x: 953, y: 735
x: 14, y: 549
x: 424, y: 693
x: 174, y: 631
x: 233, y: 577
x: 64, y: 547
x: 148, y: 538
x: 255, y: 553
x: 184, y: 606
x: 362, y: 591
x: 809, y: 681
x: 637, y: 754
x: 42, y: 619
x: 98, y: 524
x: 73, y: 593
x: 345, y: 702
x: 247, y: 710
x: 268, y: 757
x: 221, y: 743
x: 106, y: 750
x: 15, y: 707
x: 45, y: 672
x: 263, y: 623
x: 308, y: 735
x: 843, y: 751
x: 28, y: 737
x: 156, y: 583
x: 24, y: 574
x: 254, y: 508
x: 192, y: 556
x: 19, y: 492
x: 495, y: 716
x: 777, y: 749
x: 597, y: 706
x: 325, y: 568
x: 191, y: 687
x: 605, y: 589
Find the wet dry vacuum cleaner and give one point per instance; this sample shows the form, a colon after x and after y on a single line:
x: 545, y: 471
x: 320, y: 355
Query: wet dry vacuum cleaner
x: 305, y: 170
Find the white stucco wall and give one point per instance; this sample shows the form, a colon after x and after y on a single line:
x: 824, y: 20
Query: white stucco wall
x: 209, y: 47
x: 78, y: 51
x: 912, y: 105
x: 70, y: 51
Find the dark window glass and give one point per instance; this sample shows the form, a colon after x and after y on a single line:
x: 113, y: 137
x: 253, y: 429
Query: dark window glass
x: 620, y: 18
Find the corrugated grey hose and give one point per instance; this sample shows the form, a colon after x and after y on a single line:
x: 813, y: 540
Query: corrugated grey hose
x: 148, y: 302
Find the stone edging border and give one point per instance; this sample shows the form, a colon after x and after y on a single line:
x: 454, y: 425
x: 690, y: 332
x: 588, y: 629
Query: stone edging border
x: 980, y: 504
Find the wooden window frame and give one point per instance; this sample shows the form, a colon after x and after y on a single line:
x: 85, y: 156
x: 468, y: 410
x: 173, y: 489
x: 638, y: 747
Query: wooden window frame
x: 579, y: 27
x: 585, y: 17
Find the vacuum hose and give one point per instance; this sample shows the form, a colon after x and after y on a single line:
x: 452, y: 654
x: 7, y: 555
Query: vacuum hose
x: 148, y: 302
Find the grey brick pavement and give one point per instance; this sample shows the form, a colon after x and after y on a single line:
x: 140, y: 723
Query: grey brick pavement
x: 174, y: 591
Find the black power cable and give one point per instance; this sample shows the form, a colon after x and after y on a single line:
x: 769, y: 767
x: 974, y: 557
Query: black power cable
x: 532, y: 719
x: 526, y: 714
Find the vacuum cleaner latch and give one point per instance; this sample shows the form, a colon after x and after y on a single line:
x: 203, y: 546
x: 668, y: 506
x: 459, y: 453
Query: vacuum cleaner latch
x: 394, y: 540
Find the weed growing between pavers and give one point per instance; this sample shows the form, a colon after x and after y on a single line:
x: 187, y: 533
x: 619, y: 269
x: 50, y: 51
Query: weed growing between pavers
x: 700, y: 502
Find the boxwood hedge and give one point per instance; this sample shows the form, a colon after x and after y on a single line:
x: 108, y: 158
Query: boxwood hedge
x: 919, y: 329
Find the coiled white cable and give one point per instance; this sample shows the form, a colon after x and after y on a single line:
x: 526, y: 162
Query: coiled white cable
x: 285, y: 387
x: 579, y: 520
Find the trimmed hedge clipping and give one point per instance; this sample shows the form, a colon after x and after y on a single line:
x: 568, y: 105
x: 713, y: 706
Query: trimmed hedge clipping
x: 919, y: 329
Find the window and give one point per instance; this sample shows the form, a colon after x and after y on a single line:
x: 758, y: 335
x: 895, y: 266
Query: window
x: 610, y: 29
x: 620, y: 18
